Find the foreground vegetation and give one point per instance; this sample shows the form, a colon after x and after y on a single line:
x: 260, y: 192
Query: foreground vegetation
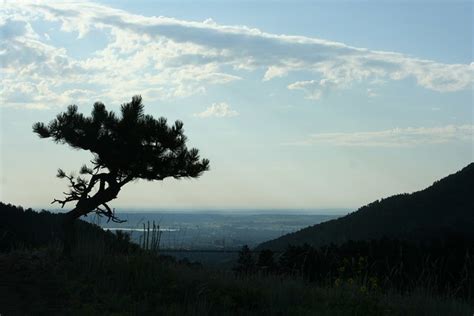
x: 123, y: 284
x: 107, y: 275
x: 442, y: 267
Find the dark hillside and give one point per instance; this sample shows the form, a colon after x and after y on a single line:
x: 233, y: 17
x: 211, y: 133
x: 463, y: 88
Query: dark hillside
x: 445, y: 208
x: 28, y: 229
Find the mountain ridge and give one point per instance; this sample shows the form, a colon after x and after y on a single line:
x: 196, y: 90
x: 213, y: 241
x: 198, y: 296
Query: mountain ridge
x: 417, y: 216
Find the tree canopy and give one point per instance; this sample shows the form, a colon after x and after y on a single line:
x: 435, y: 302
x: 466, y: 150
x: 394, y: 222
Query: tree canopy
x: 125, y: 148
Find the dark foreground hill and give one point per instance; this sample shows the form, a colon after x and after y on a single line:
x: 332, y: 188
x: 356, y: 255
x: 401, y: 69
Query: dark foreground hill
x: 446, y: 208
x: 29, y: 229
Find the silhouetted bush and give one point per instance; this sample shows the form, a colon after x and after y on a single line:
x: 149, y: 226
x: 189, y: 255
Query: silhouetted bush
x: 266, y: 262
x: 245, y: 263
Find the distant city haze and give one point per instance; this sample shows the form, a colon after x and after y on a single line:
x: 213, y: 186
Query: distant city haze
x: 300, y: 108
x: 211, y: 230
x: 224, y: 211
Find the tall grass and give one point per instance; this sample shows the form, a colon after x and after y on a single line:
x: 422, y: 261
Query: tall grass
x: 151, y: 237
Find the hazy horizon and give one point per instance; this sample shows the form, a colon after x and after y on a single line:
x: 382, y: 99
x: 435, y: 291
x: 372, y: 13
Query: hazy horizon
x: 224, y: 211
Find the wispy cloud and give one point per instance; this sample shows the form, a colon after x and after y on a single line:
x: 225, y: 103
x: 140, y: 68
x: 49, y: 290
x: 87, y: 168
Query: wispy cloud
x: 397, y: 137
x: 313, y: 89
x: 217, y: 110
x: 164, y: 57
x: 371, y: 93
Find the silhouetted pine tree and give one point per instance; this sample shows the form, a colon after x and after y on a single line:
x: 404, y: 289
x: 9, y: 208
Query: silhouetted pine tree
x: 126, y: 148
x: 245, y: 263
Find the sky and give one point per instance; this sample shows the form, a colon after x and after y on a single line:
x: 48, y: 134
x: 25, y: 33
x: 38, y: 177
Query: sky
x: 298, y: 105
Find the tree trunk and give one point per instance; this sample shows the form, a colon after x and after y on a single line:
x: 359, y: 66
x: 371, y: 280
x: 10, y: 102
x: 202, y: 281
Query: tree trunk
x: 69, y: 230
x: 84, y: 207
x: 69, y: 235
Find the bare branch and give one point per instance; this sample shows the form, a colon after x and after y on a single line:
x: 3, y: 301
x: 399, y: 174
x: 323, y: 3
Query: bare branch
x: 109, y: 213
